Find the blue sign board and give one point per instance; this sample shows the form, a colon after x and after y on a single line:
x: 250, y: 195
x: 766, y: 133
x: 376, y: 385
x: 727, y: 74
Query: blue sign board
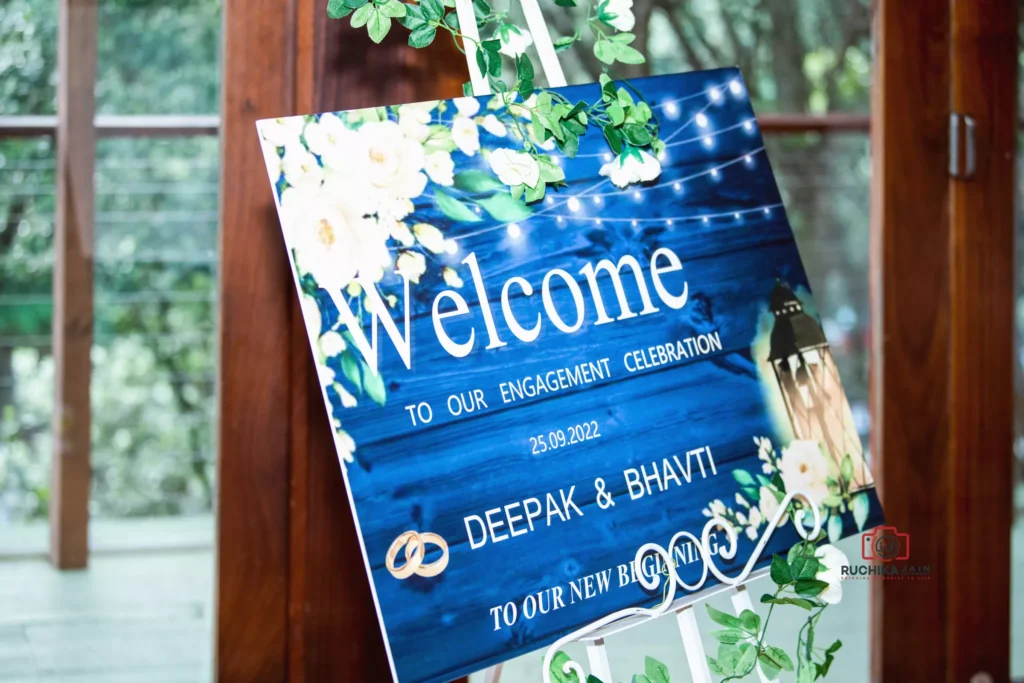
x: 526, y: 385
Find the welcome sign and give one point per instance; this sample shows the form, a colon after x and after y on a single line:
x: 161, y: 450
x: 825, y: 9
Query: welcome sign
x: 533, y: 366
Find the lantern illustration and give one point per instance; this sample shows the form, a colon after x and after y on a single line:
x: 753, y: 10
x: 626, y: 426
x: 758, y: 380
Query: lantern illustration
x: 809, y: 381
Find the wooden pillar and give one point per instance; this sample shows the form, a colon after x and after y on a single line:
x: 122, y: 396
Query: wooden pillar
x: 71, y: 475
x: 984, y: 88
x: 294, y: 601
x: 942, y: 328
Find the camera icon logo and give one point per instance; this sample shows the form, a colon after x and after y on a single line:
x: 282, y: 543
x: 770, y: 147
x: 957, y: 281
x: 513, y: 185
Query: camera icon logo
x: 885, y: 544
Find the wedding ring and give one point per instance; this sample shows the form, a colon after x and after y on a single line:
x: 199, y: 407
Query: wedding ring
x: 415, y: 546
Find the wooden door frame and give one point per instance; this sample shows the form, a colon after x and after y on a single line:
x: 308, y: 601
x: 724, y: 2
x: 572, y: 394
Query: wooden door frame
x: 942, y: 328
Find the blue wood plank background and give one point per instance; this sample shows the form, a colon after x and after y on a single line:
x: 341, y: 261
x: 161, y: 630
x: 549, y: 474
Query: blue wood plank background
x: 429, y: 477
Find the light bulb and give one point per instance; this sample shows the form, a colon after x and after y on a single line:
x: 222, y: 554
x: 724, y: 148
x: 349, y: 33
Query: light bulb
x: 559, y: 220
x: 736, y: 216
x: 574, y: 204
x: 597, y: 221
x: 705, y: 219
x: 607, y: 157
x: 701, y: 119
x: 708, y: 142
x: 634, y: 222
x: 748, y: 125
x: 514, y: 231
x: 671, y: 110
x: 549, y: 200
x: 677, y: 186
x: 714, y: 173
x: 715, y: 94
x: 597, y: 200
x: 452, y: 247
x: 767, y: 211
x: 669, y: 222
x: 637, y: 196
x: 735, y: 88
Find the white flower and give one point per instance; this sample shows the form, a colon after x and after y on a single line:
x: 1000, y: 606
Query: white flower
x: 301, y: 169
x: 414, y: 119
x: 451, y: 278
x: 764, y: 448
x: 325, y: 374
x: 333, y: 240
x: 518, y: 41
x: 347, y: 399
x: 740, y: 500
x: 717, y: 507
x: 332, y: 140
x: 620, y: 13
x: 752, y: 533
x: 311, y: 314
x: 755, y: 518
x: 331, y: 343
x: 467, y: 106
x: 430, y: 237
x: 834, y: 560
x: 766, y: 468
x: 401, y: 232
x: 273, y: 161
x: 282, y: 132
x: 514, y: 168
x: 493, y: 126
x: 411, y: 264
x: 465, y: 135
x: 392, y: 163
x: 769, y: 505
x: 630, y: 170
x: 804, y: 469
x: 440, y: 168
x: 741, y: 518
x: 345, y: 445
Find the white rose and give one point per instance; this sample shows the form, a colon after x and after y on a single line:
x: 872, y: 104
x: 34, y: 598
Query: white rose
x: 620, y: 13
x: 334, y: 242
x: 518, y: 41
x: 440, y: 168
x: 630, y: 170
x: 465, y: 135
x: 333, y: 141
x: 411, y: 265
x: 282, y: 132
x: 768, y: 505
x: 804, y: 469
x: 514, y: 168
x: 414, y: 119
x: 430, y: 237
x: 394, y: 163
x: 493, y: 126
x: 466, y: 106
x: 331, y: 343
x: 834, y: 560
x: 345, y: 445
x: 301, y: 169
x: 272, y: 159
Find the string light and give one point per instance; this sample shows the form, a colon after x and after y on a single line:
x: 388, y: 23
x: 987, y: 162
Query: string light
x: 514, y: 231
x: 706, y: 220
x: 677, y: 186
x: 637, y: 195
x: 767, y: 211
x: 714, y: 173
x: 549, y: 200
x: 701, y: 119
x: 748, y: 125
x: 671, y: 110
x: 673, y: 220
x: 477, y: 209
x: 715, y: 94
x: 735, y: 88
x: 749, y: 159
x: 559, y: 220
x: 708, y: 141
x: 635, y: 223
x: 669, y: 222
x: 597, y: 199
x: 736, y: 215
x: 607, y: 156
x: 574, y: 204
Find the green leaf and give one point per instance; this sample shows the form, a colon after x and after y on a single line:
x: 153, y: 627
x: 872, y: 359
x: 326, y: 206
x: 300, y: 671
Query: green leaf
x: 655, y: 670
x: 724, y: 618
x: 355, y: 4
x: 336, y: 9
x: 730, y: 636
x: 455, y: 209
x: 564, y: 43
x: 846, y: 469
x: 570, y: 145
x: 715, y: 668
x: 433, y: 10
x: 350, y: 368
x: 362, y: 15
x: 373, y: 385
x: 781, y: 573
x: 810, y: 588
x: 639, y: 136
x: 481, y: 61
x: 741, y: 476
x: 616, y: 113
x: 835, y: 528
x: 565, y: 3
x: 641, y: 678
x: 493, y: 46
x: 477, y: 181
x: 604, y: 50
x: 751, y: 621
x: 550, y: 172
x: 413, y: 18
x: 378, y: 26
x: 643, y: 112
x: 558, y: 674
x: 591, y: 678
x: 524, y: 68
x: 467, y: 89
x: 423, y: 36
x: 861, y: 505
x: 627, y: 54
x: 769, y: 667
x: 778, y: 656
x: 804, y: 567
x: 614, y: 138
x: 746, y: 663
x: 501, y: 206
x: 392, y: 8
x: 535, y: 194
x: 624, y: 38
x: 728, y: 657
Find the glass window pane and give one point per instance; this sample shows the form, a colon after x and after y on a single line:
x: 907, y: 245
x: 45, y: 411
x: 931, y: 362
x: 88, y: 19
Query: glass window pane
x: 28, y: 57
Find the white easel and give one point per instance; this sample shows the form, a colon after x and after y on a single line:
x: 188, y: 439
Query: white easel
x: 593, y: 635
